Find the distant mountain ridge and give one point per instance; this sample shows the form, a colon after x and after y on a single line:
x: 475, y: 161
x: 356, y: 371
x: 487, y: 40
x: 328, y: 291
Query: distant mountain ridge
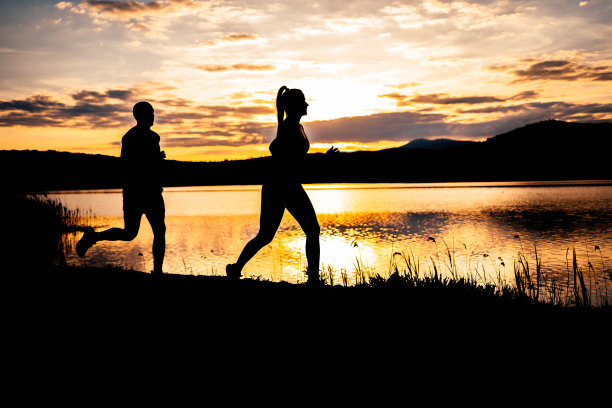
x: 548, y: 131
x: 554, y: 132
x: 549, y: 150
x: 435, y: 144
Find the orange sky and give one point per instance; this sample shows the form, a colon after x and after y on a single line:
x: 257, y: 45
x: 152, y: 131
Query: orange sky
x: 376, y: 74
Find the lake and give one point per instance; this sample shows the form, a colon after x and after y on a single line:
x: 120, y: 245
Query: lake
x: 369, y: 228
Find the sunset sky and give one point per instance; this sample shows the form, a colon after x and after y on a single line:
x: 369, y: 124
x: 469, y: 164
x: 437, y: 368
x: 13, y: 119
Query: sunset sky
x: 376, y: 74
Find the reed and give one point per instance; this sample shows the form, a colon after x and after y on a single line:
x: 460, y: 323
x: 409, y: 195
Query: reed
x: 411, y: 261
x: 362, y: 272
x: 530, y: 283
x: 525, y: 284
x: 41, y: 229
x: 581, y: 294
x: 344, y: 277
x: 328, y: 276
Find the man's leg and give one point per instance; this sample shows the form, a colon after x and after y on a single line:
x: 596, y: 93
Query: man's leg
x: 131, y: 225
x: 156, y: 214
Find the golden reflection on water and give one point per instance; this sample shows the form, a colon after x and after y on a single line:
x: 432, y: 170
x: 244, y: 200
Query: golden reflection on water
x: 363, y: 225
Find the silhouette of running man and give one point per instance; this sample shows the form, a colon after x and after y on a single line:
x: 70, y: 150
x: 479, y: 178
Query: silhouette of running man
x: 142, y: 163
x: 282, y: 188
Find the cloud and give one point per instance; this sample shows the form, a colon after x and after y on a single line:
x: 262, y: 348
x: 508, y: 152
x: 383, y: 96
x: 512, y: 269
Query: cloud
x: 408, y: 125
x: 557, y: 70
x: 405, y: 85
x: 442, y: 99
x: 394, y: 95
x: 445, y: 99
x: 33, y: 104
x: 548, y: 70
x: 198, y: 117
x: 121, y: 94
x: 188, y: 124
x: 213, y: 139
x: 394, y: 126
x: 139, y: 27
x: 232, y: 134
x: 254, y: 110
x: 159, y: 17
x: 77, y: 116
x: 68, y: 5
x: 496, y: 109
x: 237, y: 67
x: 129, y: 9
x: 112, y: 108
x: 175, y: 102
x: 239, y: 37
x: 20, y: 119
x: 89, y: 109
x: 63, y: 5
x: 232, y: 38
x: 524, y: 95
x: 592, y: 112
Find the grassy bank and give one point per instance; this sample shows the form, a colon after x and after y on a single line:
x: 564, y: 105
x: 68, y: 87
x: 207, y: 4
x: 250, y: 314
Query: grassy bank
x: 383, y: 311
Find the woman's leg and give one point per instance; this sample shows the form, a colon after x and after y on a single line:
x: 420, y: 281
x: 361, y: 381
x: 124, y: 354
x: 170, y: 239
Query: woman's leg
x: 272, y: 209
x: 299, y: 205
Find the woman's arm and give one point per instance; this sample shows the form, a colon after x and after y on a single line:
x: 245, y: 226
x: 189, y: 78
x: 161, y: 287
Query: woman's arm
x: 332, y: 152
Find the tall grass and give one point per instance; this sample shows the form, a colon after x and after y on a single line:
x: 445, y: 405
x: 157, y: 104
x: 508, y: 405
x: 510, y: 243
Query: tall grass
x: 411, y: 262
x: 525, y: 284
x: 581, y: 294
x: 40, y: 229
x: 529, y: 283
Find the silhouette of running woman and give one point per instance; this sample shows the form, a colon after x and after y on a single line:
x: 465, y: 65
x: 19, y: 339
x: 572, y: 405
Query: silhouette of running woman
x: 282, y: 189
x: 142, y: 163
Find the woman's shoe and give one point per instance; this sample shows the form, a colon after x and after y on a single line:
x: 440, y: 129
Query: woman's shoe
x: 314, y: 279
x: 232, y: 271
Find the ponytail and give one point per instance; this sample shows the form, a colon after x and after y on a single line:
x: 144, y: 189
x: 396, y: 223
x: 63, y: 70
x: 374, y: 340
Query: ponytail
x: 280, y: 105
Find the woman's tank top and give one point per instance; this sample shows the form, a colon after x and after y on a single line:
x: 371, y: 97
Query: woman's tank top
x: 288, y: 150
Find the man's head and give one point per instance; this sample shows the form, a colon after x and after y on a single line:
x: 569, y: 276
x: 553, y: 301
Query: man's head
x: 144, y: 114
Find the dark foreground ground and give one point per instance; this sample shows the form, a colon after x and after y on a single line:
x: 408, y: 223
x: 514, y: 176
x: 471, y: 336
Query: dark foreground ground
x: 115, y: 296
x: 109, y: 327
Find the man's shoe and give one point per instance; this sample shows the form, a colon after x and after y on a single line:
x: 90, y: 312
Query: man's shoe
x: 86, y: 242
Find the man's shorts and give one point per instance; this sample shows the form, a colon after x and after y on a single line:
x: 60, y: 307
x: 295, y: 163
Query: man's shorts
x: 144, y: 202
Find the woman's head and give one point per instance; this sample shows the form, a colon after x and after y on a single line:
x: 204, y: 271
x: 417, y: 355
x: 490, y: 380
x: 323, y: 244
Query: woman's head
x: 290, y: 101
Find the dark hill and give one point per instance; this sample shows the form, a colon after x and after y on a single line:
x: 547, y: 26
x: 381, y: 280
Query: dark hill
x: 436, y: 144
x: 550, y: 150
x: 555, y: 134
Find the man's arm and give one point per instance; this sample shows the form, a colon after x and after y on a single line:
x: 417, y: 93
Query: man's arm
x: 127, y: 160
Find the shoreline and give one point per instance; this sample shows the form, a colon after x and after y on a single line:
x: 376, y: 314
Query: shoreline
x: 365, y: 185
x: 92, y: 285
